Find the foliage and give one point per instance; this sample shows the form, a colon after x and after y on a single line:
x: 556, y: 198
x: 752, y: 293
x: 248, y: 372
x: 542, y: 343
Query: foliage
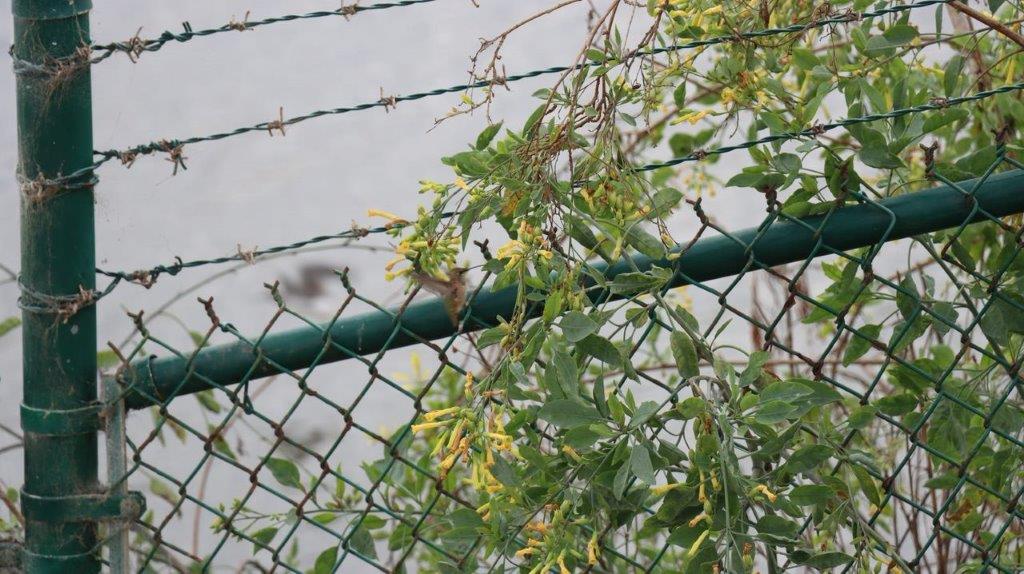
x: 874, y: 424
x: 738, y: 464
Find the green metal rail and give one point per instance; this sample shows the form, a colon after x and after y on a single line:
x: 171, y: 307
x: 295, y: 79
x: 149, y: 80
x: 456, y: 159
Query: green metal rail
x: 158, y: 379
x: 57, y: 261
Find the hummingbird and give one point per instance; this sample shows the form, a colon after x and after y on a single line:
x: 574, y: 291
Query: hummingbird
x: 451, y: 291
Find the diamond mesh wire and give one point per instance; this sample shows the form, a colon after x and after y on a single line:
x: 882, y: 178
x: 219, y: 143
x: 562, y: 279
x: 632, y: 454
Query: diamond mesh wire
x: 278, y: 467
x: 244, y: 484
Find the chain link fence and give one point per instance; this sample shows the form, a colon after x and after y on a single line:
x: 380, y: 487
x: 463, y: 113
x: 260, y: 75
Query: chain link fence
x: 836, y: 387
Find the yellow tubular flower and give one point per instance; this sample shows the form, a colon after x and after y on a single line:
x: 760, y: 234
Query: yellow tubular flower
x: 771, y: 496
x: 456, y: 435
x: 696, y: 544
x: 391, y: 264
x: 592, y: 550
x: 528, y: 551
x: 697, y: 519
x: 436, y: 414
x: 663, y: 489
x: 538, y: 526
x: 450, y: 460
x: 429, y: 425
x: 561, y: 564
x: 391, y: 217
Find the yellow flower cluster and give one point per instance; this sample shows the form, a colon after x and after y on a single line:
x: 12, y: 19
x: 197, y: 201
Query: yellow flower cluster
x: 462, y: 430
x: 442, y: 253
x: 529, y: 241
x: 616, y: 199
x: 550, y: 541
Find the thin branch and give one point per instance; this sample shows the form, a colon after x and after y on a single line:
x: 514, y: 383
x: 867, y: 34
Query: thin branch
x: 988, y: 20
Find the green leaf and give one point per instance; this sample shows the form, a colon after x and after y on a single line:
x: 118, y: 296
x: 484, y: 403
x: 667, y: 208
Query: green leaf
x: 861, y: 416
x: 602, y: 349
x: 263, y: 537
x: 894, y: 37
x: 401, y: 537
x: 208, y: 401
x: 875, y: 152
x: 576, y: 326
x: 679, y: 95
x: 285, y: 472
x: 691, y: 407
x: 621, y: 481
x: 325, y: 561
x: 826, y: 560
x: 772, y: 412
x: 896, y: 405
x: 778, y: 526
x: 811, y: 494
x: 640, y: 464
x: 567, y: 413
x: 643, y: 413
x: 951, y: 75
x: 485, y: 137
x: 808, y: 457
x: 685, y: 354
x: 9, y: 324
x: 505, y: 472
x: 644, y: 242
x: 787, y: 391
x: 858, y: 345
x: 635, y: 282
x: 755, y: 365
x: 361, y: 541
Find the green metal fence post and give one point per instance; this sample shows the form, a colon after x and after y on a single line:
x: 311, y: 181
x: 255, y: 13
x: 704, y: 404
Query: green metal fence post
x: 59, y: 414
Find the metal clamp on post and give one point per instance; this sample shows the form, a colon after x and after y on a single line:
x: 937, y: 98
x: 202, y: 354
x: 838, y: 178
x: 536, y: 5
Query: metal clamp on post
x: 57, y: 422
x: 83, y: 507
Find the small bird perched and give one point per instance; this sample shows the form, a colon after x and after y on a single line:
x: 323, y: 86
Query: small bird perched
x: 451, y: 290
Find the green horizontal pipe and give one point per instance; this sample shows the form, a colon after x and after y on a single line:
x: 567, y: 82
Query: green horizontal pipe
x: 713, y: 258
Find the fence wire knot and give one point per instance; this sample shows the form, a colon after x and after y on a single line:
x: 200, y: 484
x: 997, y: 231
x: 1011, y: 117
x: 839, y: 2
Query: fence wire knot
x: 277, y: 124
x: 133, y: 47
x: 40, y: 189
x: 63, y: 306
x: 349, y: 10
x: 247, y: 255
x: 390, y: 102
x: 240, y: 26
x: 175, y: 155
x: 58, y: 70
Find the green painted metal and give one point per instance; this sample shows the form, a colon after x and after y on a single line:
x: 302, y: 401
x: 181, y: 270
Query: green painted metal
x: 57, y: 260
x: 73, y: 508
x: 158, y: 379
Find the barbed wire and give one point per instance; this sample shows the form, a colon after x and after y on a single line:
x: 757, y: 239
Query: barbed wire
x: 817, y: 129
x: 135, y: 45
x: 174, y: 147
x: 148, y: 276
